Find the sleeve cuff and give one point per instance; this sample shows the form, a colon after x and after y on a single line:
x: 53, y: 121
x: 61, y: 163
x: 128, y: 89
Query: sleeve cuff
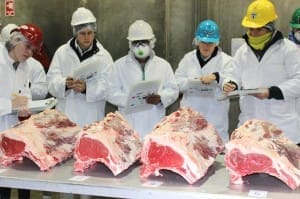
x: 236, y: 86
x: 275, y: 93
x: 217, y: 76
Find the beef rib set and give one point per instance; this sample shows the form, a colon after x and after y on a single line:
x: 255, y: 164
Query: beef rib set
x: 111, y: 141
x: 46, y: 138
x: 184, y: 142
x: 260, y: 147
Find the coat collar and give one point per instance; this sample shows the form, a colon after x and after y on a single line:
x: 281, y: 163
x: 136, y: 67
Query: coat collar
x: 94, y: 50
x: 277, y: 36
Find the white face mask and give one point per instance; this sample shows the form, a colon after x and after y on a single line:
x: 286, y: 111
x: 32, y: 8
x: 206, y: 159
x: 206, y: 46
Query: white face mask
x: 141, y: 50
x: 297, y: 35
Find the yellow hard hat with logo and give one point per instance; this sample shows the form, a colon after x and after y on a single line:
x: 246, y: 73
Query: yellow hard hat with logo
x: 259, y: 13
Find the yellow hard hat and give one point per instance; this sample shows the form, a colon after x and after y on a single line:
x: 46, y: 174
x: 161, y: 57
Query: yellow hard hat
x: 259, y: 13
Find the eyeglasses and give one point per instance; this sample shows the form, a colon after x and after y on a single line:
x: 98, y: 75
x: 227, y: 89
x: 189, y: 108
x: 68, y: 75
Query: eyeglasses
x: 140, y: 42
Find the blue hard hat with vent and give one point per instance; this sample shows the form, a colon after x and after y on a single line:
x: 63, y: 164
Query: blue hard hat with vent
x: 208, y: 31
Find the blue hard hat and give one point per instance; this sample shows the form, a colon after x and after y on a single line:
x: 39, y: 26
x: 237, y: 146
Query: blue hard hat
x: 208, y: 31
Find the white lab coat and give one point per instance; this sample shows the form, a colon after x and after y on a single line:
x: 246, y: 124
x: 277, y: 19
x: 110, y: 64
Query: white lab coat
x: 280, y: 66
x: 298, y: 99
x: 126, y: 72
x: 216, y: 112
x: 16, y: 81
x: 81, y: 108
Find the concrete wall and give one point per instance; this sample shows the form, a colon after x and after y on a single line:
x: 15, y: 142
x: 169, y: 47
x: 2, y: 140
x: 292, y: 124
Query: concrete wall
x: 173, y: 21
x: 229, y: 14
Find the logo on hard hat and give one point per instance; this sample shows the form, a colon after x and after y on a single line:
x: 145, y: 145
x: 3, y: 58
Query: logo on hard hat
x: 209, y: 31
x: 253, y: 15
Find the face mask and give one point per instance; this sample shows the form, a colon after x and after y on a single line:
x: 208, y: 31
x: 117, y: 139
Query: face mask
x: 258, y: 43
x: 297, y: 35
x: 141, y: 50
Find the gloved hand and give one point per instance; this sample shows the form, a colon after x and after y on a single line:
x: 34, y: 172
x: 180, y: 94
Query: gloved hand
x: 19, y: 101
x: 228, y: 87
x: 153, y: 99
x: 207, y: 79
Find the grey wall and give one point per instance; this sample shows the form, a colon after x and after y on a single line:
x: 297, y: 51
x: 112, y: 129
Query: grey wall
x: 229, y: 14
x: 173, y: 21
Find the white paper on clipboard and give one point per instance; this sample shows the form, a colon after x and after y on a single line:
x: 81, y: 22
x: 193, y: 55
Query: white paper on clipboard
x: 40, y: 105
x: 86, y: 70
x: 136, y: 100
x: 238, y: 93
x: 197, y: 88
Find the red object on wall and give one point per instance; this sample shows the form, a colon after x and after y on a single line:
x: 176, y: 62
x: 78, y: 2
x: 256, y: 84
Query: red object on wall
x: 9, y: 7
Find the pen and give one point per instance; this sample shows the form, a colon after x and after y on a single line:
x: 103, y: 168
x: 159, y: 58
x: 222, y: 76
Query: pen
x: 26, y: 86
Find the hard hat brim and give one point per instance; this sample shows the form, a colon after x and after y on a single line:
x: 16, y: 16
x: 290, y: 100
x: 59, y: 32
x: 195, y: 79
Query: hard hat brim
x: 139, y: 38
x: 249, y: 24
x: 82, y: 22
x: 208, y: 40
x: 292, y: 25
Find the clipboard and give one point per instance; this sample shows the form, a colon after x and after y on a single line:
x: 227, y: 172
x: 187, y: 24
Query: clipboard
x: 197, y: 88
x: 86, y: 70
x: 40, y: 105
x: 136, y: 100
x: 238, y: 93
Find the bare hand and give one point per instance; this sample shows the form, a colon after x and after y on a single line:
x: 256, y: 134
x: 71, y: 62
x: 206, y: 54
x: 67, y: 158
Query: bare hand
x: 153, y: 99
x: 69, y: 82
x: 229, y: 87
x: 19, y: 101
x: 79, y: 86
x: 262, y: 95
x: 207, y: 79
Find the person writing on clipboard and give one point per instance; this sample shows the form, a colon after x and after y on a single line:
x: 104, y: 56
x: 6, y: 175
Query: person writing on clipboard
x: 270, y: 63
x: 81, y: 98
x: 205, y: 65
x: 22, y: 78
x: 140, y: 65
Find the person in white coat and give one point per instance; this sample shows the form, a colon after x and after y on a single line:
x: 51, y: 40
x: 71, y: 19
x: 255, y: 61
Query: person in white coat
x: 139, y: 65
x: 22, y: 78
x: 294, y: 35
x: 21, y: 75
x: 81, y: 98
x: 205, y: 64
x: 272, y: 63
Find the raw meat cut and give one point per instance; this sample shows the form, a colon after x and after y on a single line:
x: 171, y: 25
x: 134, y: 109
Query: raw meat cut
x: 183, y: 142
x: 47, y: 138
x: 110, y: 141
x: 260, y: 147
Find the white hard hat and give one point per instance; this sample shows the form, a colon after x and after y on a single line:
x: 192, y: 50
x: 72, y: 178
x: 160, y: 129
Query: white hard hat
x: 82, y: 16
x: 6, y: 30
x: 140, y: 30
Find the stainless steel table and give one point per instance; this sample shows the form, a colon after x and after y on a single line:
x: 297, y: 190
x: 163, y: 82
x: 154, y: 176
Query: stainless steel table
x: 99, y: 181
